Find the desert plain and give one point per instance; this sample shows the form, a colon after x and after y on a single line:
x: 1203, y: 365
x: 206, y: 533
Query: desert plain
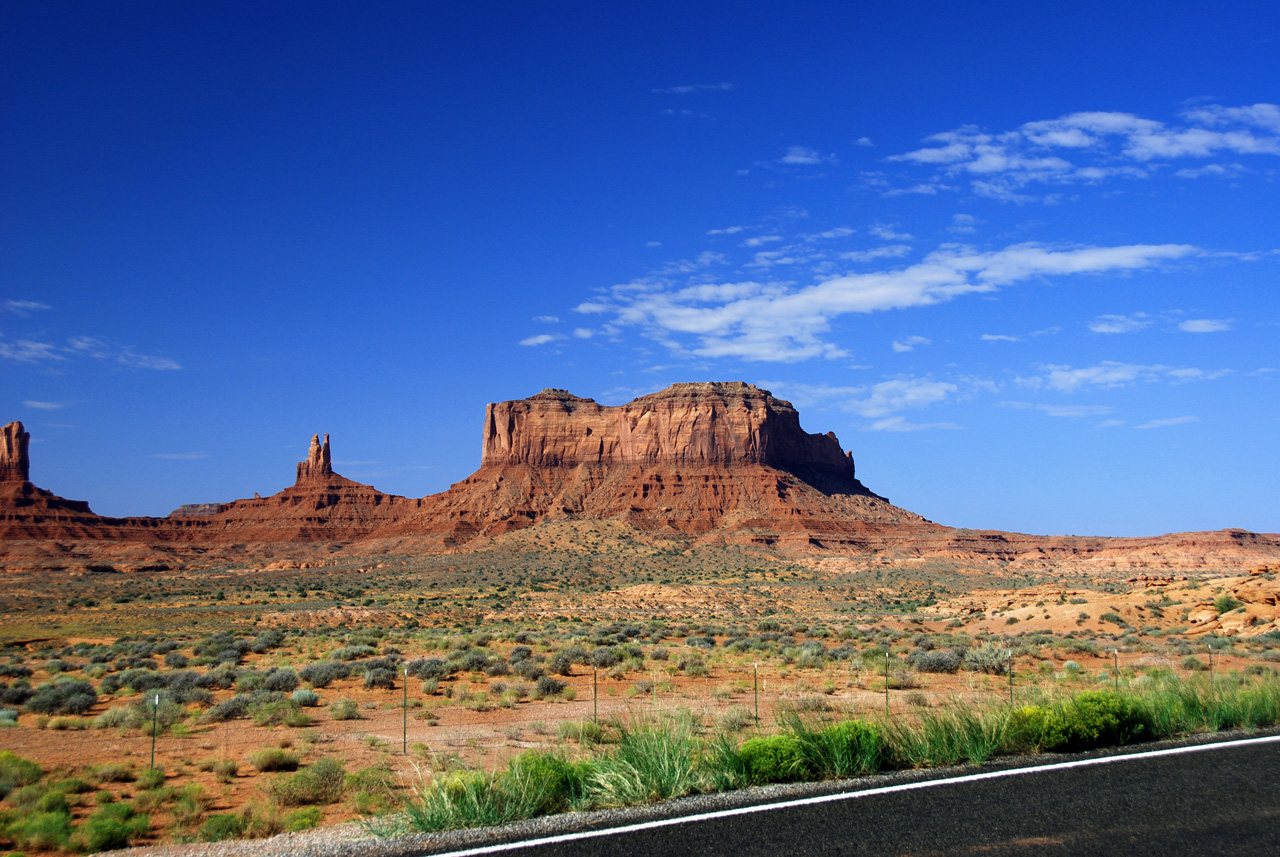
x: 326, y: 653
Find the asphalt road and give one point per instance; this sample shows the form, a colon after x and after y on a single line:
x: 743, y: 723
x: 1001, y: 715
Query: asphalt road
x: 1224, y: 800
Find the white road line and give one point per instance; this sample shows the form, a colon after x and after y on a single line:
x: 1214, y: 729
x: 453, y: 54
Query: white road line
x: 883, y: 790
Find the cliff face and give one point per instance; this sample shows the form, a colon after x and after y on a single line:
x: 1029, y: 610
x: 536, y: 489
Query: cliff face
x: 727, y: 424
x: 715, y: 460
x: 15, y: 462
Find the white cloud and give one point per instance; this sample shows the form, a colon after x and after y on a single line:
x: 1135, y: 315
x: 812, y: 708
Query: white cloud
x: 547, y: 319
x: 1110, y: 373
x: 693, y: 87
x: 803, y: 155
x: 901, y: 424
x: 909, y: 344
x: 540, y: 339
x: 653, y: 244
x: 782, y: 322
x: 180, y: 456
x: 887, y: 233
x: 838, y: 232
x: 583, y: 332
x: 1120, y: 323
x: 1090, y: 147
x: 44, y: 406
x: 892, y: 251
x: 900, y: 394
x: 1171, y: 421
x: 728, y: 230
x: 28, y: 351
x: 124, y: 355
x: 962, y: 224
x: 1205, y: 325
x: 761, y: 240
x: 24, y: 308
x: 863, y: 141
x: 1067, y: 411
x: 924, y: 189
x: 1000, y: 337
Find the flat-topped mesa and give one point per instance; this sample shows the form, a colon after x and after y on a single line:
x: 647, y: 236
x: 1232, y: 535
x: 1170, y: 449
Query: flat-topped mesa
x: 318, y: 467
x: 15, y: 461
x: 691, y: 424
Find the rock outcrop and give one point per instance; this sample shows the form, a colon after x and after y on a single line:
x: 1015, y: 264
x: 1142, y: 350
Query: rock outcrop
x: 15, y: 461
x: 321, y: 506
x: 685, y: 425
x: 712, y: 463
x: 318, y: 467
x: 722, y: 461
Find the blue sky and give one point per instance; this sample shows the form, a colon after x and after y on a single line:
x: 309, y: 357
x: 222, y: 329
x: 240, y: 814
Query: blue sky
x: 1023, y: 263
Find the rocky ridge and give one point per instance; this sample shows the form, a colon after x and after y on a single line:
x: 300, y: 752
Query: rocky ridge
x: 709, y: 463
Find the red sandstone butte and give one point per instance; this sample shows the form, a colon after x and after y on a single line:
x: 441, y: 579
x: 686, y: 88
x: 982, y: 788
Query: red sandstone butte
x: 711, y: 462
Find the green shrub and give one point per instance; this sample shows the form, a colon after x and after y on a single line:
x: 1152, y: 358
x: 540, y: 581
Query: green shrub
x: 1191, y: 662
x: 115, y: 825
x: 847, y: 749
x: 1226, y: 602
x: 306, y: 697
x: 64, y: 696
x: 273, y: 759
x: 321, y: 782
x: 303, y: 819
x: 112, y: 772
x: 16, y: 771
x: 41, y: 831
x: 275, y: 712
x: 653, y: 761
x: 345, y: 709
x: 221, y: 826
x: 8, y: 717
x: 564, y: 782
x: 151, y: 778
x: 774, y: 759
x: 226, y: 770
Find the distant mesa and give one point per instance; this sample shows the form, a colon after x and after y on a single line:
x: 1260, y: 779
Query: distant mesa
x: 711, y: 462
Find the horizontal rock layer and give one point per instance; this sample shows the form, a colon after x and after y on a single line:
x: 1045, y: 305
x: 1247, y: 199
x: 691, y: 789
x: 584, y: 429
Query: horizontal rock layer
x: 729, y: 424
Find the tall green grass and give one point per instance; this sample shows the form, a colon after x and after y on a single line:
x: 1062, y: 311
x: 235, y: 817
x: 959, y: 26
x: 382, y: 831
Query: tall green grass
x: 659, y: 758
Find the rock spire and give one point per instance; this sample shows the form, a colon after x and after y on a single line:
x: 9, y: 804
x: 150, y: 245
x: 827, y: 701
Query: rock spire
x: 318, y: 466
x: 15, y: 462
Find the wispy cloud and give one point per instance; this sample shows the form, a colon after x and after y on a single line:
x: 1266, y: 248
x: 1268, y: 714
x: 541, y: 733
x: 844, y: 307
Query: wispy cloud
x: 1205, y: 325
x: 1171, y: 421
x: 909, y: 343
x: 124, y: 355
x: 780, y: 321
x: 999, y: 337
x: 541, y: 339
x: 901, y: 424
x: 24, y: 308
x: 1111, y: 373
x: 44, y: 406
x: 1120, y: 323
x: 1067, y: 411
x: 728, y: 230
x: 900, y: 394
x: 29, y: 351
x: 891, y: 251
x: 179, y: 456
x: 689, y: 88
x: 805, y: 156
x: 1091, y: 147
x: 546, y: 319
